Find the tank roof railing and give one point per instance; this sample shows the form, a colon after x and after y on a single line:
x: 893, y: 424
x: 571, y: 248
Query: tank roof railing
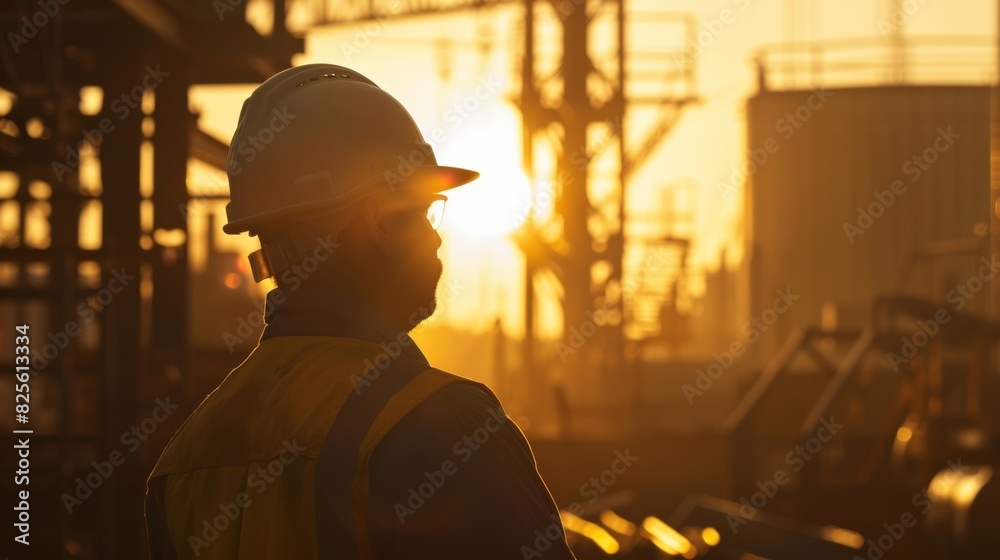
x: 875, y: 61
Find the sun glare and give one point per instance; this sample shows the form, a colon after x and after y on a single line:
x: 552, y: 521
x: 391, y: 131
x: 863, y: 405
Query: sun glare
x: 492, y: 206
x: 497, y: 202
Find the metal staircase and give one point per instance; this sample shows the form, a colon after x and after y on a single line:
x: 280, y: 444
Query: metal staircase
x: 657, y: 278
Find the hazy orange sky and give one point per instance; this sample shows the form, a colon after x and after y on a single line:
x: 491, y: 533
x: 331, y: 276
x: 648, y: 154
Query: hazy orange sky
x: 405, y: 58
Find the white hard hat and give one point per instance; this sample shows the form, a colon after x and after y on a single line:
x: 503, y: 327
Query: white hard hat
x: 317, y: 138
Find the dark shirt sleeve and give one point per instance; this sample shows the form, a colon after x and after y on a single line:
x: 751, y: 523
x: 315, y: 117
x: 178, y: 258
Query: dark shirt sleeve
x: 160, y: 546
x: 457, y: 479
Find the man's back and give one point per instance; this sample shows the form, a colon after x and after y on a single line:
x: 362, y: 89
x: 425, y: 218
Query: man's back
x: 261, y: 470
x: 242, y: 467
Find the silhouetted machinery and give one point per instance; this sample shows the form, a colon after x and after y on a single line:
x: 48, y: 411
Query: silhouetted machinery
x: 872, y: 443
x: 875, y: 441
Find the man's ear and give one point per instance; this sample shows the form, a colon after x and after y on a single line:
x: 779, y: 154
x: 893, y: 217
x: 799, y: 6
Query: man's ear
x: 374, y: 233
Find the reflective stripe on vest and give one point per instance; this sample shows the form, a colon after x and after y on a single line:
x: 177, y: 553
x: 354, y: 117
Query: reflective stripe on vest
x: 363, y: 421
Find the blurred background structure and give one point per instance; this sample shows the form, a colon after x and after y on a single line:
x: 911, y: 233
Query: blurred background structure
x: 749, y: 243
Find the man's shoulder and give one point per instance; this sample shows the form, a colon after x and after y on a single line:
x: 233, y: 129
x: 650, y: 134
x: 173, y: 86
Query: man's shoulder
x: 463, y: 400
x: 443, y: 418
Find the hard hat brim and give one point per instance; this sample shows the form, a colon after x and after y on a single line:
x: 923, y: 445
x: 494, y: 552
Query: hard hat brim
x: 425, y: 179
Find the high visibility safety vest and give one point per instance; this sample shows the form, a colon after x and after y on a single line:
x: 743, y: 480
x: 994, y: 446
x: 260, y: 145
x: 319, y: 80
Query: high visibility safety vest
x: 239, y: 478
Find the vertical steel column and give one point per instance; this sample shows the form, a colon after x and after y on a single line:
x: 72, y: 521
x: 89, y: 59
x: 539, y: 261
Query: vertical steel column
x: 574, y: 113
x: 120, y: 352
x: 171, y: 145
x: 65, y: 207
x: 572, y: 202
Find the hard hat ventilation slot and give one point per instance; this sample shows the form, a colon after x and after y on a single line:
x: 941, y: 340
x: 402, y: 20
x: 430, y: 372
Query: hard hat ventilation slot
x: 316, y: 79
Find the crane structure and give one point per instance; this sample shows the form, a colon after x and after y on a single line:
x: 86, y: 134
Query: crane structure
x: 587, y: 254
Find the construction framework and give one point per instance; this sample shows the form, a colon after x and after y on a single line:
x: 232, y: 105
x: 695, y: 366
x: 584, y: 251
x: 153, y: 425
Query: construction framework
x: 99, y: 94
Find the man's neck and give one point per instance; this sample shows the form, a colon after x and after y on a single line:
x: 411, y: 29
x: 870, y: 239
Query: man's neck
x: 367, y: 299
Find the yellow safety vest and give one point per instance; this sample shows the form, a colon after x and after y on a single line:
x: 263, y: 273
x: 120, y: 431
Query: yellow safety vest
x: 238, y: 479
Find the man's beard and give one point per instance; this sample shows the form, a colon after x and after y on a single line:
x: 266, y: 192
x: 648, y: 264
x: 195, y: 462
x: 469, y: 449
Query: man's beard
x: 426, y: 297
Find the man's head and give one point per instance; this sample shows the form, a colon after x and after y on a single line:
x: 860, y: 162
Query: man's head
x: 322, y: 153
x: 386, y: 253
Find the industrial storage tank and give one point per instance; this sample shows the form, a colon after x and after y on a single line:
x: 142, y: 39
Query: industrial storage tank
x: 846, y: 184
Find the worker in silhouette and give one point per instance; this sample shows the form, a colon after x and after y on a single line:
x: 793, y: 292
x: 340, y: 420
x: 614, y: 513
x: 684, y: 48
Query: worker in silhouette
x: 335, y: 438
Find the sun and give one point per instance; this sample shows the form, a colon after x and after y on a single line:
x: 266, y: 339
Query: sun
x: 492, y: 206
x: 497, y: 202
